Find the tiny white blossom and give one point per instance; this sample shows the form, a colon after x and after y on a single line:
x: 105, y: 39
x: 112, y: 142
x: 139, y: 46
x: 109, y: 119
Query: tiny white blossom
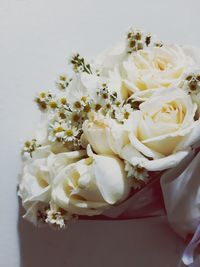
x: 58, y: 217
x: 70, y: 133
x: 137, y: 173
x: 55, y: 217
x: 56, y: 130
x: 63, y: 130
x: 122, y: 113
x: 191, y: 83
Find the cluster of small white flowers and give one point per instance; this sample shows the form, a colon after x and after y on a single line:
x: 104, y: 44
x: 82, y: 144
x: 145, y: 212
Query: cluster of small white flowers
x: 123, y: 112
x: 79, y: 64
x: 137, y: 174
x: 41, y: 213
x: 66, y: 120
x: 138, y: 40
x: 192, y: 83
x: 105, y: 100
x: 66, y: 124
x: 30, y: 147
x: 46, y: 100
x: 63, y: 82
x: 57, y: 217
x: 63, y: 131
x: 110, y: 105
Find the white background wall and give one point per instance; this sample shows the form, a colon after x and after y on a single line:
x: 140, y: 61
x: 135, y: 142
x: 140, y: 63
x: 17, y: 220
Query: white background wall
x: 36, y: 36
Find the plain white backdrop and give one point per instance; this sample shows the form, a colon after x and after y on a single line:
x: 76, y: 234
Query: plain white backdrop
x: 36, y: 36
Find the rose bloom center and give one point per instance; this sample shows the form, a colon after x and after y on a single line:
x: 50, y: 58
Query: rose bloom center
x: 155, y: 126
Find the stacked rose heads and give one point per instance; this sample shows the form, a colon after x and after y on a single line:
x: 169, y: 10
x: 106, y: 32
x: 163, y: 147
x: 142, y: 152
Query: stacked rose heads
x: 131, y: 111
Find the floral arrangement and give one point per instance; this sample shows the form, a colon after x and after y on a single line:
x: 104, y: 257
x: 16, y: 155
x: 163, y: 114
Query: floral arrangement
x: 111, y: 129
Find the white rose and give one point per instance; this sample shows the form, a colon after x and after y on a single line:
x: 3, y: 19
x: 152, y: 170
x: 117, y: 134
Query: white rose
x: 157, y: 67
x: 164, y: 129
x: 35, y: 184
x: 91, y: 185
x: 144, y: 71
x: 38, y: 174
x: 105, y: 135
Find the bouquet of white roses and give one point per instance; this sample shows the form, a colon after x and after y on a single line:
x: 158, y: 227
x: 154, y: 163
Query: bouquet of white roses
x: 112, y: 128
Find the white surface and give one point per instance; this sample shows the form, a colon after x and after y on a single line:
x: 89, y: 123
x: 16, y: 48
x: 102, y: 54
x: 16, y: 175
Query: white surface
x: 36, y: 36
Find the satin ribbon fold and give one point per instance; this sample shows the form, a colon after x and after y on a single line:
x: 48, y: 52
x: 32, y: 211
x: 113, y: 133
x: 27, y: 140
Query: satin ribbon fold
x: 188, y: 254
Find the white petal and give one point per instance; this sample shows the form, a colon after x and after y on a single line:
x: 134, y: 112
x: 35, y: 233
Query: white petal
x: 160, y: 164
x: 43, y: 196
x: 111, y: 178
x: 129, y: 152
x: 193, y: 52
x: 58, y: 161
x: 144, y: 149
x: 111, y: 57
x: 191, y: 138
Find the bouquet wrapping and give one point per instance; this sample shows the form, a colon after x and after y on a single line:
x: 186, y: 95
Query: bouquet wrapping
x: 181, y: 193
x: 121, y: 126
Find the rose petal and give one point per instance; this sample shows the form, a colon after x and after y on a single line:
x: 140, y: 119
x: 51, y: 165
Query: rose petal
x: 160, y: 164
x: 111, y: 178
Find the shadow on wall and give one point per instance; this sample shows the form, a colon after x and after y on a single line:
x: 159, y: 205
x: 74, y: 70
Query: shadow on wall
x: 137, y: 243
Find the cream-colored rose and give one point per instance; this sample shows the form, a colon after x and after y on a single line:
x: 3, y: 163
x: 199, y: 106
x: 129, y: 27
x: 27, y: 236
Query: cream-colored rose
x: 156, y: 67
x: 35, y: 183
x: 164, y: 129
x: 105, y: 135
x: 38, y: 175
x: 91, y: 185
x: 144, y: 71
